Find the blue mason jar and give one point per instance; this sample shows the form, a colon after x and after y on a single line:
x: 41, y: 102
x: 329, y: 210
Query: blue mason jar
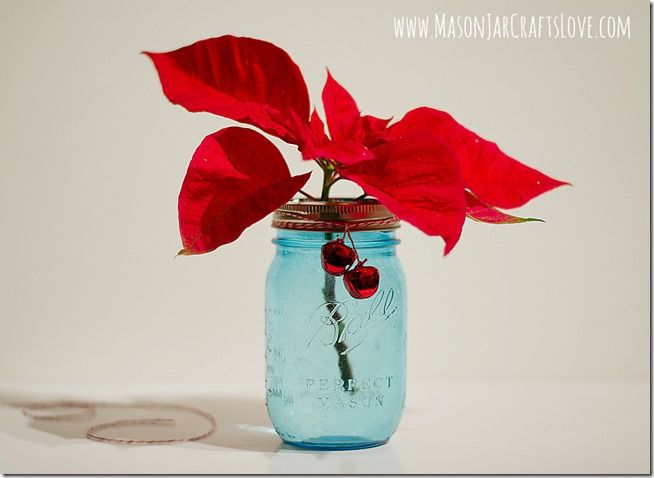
x: 335, y: 365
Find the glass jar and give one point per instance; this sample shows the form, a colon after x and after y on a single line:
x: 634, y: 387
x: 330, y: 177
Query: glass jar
x: 335, y: 365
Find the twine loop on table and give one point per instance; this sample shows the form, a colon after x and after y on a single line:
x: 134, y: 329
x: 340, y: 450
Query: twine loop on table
x: 87, y: 409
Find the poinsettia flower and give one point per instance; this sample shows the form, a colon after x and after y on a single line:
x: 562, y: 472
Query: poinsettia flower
x: 419, y: 180
x: 485, y: 169
x: 426, y: 168
x: 493, y: 175
x: 346, y: 141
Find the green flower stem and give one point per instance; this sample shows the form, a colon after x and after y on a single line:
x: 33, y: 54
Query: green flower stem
x: 340, y: 346
x: 328, y: 174
x: 328, y: 291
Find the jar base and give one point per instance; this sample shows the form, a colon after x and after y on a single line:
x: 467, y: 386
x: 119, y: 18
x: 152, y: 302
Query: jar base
x: 336, y: 443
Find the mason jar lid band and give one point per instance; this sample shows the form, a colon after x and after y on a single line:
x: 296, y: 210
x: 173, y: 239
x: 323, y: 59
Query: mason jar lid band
x: 334, y: 215
x: 313, y: 225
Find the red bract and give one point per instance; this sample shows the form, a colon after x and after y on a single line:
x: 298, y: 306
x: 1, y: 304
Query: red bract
x: 343, y: 115
x: 373, y: 128
x: 426, y: 168
x: 419, y: 181
x: 346, y: 125
x: 243, y: 79
x: 493, y: 176
x: 236, y: 178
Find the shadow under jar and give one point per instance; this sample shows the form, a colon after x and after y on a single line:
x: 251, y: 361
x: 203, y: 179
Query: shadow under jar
x: 335, y: 364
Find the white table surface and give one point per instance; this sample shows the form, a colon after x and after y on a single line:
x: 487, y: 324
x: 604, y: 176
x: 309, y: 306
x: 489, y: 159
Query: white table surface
x: 448, y: 427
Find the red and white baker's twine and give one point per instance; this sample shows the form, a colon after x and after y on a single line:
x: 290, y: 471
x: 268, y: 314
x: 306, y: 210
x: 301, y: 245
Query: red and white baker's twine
x: 87, y: 410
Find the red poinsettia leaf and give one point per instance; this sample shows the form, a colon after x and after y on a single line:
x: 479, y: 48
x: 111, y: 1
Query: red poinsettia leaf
x: 236, y: 177
x: 496, y: 178
x: 478, y: 211
x: 419, y: 181
x: 373, y: 129
x: 341, y: 111
x: 244, y: 79
x: 314, y: 144
x: 344, y: 152
x: 317, y: 127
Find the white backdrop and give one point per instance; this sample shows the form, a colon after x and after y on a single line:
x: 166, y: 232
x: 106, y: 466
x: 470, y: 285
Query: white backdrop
x: 92, y: 157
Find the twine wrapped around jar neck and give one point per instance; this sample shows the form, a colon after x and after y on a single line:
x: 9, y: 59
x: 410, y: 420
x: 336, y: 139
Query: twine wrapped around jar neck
x: 334, y: 215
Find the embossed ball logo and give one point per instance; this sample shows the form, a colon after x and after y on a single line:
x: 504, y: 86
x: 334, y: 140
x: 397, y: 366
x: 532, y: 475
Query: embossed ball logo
x: 351, y: 321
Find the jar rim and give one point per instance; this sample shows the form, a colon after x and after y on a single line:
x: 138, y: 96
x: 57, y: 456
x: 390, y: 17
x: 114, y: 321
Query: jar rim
x: 335, y: 215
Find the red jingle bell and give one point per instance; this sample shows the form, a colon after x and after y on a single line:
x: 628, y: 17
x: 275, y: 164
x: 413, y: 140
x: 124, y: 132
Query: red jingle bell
x: 337, y: 257
x: 362, y: 282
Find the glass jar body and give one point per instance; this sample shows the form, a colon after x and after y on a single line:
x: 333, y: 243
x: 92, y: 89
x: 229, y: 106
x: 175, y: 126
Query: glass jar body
x: 335, y: 365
